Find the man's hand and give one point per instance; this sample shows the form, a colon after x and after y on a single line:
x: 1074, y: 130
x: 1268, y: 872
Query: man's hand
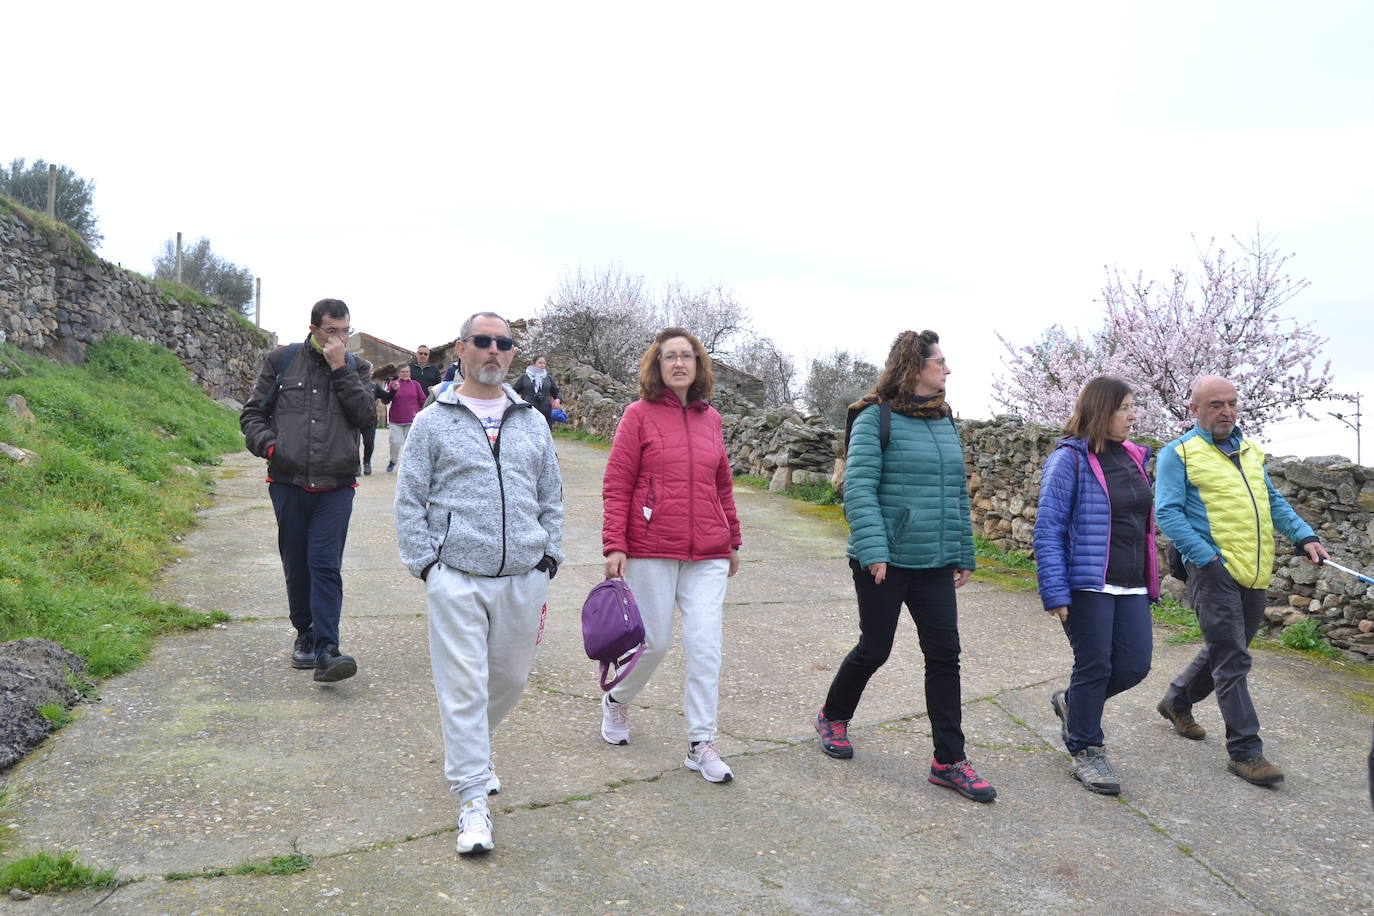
x: 1316, y: 553
x: 615, y: 564
x: 334, y: 352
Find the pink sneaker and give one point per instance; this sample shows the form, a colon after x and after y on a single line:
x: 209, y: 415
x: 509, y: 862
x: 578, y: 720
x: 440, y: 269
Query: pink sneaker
x: 962, y: 779
x: 705, y: 759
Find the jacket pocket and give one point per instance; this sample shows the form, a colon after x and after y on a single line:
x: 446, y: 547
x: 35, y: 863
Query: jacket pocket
x: 650, y: 502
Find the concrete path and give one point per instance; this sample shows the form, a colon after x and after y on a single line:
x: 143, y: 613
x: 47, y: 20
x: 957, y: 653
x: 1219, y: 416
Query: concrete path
x: 215, y: 754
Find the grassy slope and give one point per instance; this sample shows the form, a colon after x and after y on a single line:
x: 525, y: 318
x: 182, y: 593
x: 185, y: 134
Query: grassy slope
x: 85, y: 529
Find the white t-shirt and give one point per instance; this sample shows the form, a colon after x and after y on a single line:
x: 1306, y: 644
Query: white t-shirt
x: 488, y: 411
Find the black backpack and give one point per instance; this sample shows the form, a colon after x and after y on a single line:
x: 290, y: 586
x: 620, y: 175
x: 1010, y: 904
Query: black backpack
x: 884, y: 424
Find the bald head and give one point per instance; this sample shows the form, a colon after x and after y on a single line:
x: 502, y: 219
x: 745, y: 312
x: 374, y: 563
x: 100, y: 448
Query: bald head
x: 1215, y: 404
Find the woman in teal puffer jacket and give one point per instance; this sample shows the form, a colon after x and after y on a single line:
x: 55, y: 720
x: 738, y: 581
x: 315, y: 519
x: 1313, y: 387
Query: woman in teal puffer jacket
x: 910, y: 541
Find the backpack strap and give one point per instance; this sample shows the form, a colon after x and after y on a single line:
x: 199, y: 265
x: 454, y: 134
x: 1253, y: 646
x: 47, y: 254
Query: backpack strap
x: 884, y: 424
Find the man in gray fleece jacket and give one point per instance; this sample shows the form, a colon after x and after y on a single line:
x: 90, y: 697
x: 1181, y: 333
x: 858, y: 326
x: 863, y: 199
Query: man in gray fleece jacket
x: 479, y: 517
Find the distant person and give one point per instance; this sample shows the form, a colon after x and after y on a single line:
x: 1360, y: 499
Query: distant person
x: 368, y: 431
x: 538, y: 387
x: 671, y: 531
x: 1096, y: 563
x: 421, y: 371
x: 406, y: 397
x: 479, y: 517
x: 1215, y: 502
x: 910, y: 541
x: 454, y: 371
x: 303, y: 415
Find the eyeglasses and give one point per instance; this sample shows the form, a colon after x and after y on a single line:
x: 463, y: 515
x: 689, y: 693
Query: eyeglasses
x: 337, y: 332
x: 677, y: 357
x: 940, y: 361
x: 483, y: 341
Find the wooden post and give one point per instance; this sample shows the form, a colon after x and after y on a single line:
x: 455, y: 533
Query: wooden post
x: 178, y: 273
x: 257, y: 313
x: 52, y: 192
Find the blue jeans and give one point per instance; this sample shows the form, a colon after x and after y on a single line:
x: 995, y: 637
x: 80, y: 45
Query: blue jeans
x: 311, y: 530
x: 1112, y: 642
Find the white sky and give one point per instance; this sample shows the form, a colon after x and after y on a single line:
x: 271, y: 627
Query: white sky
x: 850, y: 171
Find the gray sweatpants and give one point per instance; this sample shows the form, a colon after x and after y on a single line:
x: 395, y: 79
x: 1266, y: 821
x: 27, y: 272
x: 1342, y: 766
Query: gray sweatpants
x: 1229, y: 616
x: 482, y: 634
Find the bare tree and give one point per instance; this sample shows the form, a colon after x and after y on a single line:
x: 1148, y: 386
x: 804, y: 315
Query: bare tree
x: 603, y: 317
x: 712, y: 313
x: 760, y: 357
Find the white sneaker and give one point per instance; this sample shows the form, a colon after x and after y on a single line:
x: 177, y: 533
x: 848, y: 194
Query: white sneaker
x: 474, y: 828
x: 615, y: 721
x: 705, y: 759
x: 493, y: 781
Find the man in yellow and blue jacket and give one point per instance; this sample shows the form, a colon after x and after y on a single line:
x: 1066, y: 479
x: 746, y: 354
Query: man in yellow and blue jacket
x: 1215, y: 502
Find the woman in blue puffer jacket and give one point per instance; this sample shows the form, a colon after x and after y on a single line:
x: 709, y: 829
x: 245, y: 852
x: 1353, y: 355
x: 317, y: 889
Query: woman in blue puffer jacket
x: 1097, y: 566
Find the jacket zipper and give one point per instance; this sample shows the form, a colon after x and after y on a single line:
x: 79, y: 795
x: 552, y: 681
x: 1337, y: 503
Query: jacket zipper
x: 1254, y: 504
x: 691, y: 488
x: 500, y: 480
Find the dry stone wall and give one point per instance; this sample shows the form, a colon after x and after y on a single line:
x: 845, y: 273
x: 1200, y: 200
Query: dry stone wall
x: 56, y: 297
x: 1333, y: 495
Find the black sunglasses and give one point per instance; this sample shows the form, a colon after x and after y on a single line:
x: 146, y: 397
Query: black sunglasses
x: 482, y: 341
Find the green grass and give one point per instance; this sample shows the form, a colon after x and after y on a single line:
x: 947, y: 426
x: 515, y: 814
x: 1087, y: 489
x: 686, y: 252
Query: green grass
x: 277, y: 865
x: 44, y: 871
x: 747, y: 480
x: 821, y: 493
x: 86, y: 528
x: 50, y: 229
x: 1173, y: 614
x: 562, y: 431
x: 1009, y: 569
x: 1306, y: 636
x: 56, y: 713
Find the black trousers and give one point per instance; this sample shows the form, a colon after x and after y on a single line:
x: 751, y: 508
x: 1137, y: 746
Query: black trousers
x: 929, y: 596
x: 369, y: 434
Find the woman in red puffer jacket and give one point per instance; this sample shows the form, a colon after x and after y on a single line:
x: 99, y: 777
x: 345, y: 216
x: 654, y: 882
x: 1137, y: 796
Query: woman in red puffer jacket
x: 670, y: 529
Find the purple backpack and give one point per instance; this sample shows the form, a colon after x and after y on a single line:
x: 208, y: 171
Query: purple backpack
x: 612, y: 629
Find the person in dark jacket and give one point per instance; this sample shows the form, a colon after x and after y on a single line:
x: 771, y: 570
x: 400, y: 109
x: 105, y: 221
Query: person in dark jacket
x: 537, y: 386
x: 910, y: 541
x: 670, y: 529
x: 1097, y: 567
x: 303, y: 416
x: 421, y: 371
x: 368, y: 431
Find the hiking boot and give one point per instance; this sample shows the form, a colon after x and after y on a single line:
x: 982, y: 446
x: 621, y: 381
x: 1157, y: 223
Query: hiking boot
x: 1059, y: 702
x: 303, y: 652
x: 331, y: 666
x: 1091, y: 768
x: 1256, y: 770
x: 834, y: 736
x: 705, y: 759
x: 390, y: 466
x: 1183, y: 722
x: 615, y: 721
x: 367, y: 468
x: 962, y: 779
x: 493, y: 781
x: 474, y: 828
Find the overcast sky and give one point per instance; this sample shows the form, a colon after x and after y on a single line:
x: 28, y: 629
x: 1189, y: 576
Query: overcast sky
x: 849, y: 171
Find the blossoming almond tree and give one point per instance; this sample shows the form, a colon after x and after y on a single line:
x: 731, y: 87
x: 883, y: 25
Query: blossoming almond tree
x: 1160, y: 336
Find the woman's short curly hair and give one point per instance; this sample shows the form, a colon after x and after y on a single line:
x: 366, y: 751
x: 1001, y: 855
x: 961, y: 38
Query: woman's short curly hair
x: 651, y: 370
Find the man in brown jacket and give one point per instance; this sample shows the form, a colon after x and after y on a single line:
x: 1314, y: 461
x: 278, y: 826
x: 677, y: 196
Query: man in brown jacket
x: 303, y: 416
